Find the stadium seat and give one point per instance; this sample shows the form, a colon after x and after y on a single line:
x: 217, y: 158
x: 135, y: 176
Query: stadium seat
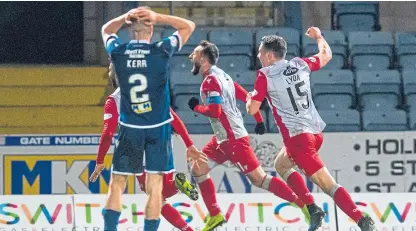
x: 388, y: 120
x: 291, y: 36
x: 356, y: 16
x: 193, y: 41
x: 185, y: 83
x: 337, y: 83
x: 379, y: 89
x: 181, y: 64
x: 245, y: 79
x: 412, y: 119
x: 341, y: 120
x: 333, y: 102
x: 406, y: 49
x: 232, y: 41
x: 181, y: 100
x: 411, y: 102
x: 194, y: 122
x: 370, y: 50
x: 409, y: 87
x: 338, y: 44
x: 234, y: 63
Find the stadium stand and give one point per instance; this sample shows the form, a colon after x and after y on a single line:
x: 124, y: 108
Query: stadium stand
x: 337, y: 42
x: 406, y: 49
x: 333, y: 89
x: 370, y: 50
x: 389, y: 120
x: 49, y: 100
x: 341, y: 120
x: 355, y: 16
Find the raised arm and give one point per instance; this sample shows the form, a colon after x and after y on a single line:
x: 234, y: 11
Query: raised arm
x: 325, y: 53
x: 241, y: 94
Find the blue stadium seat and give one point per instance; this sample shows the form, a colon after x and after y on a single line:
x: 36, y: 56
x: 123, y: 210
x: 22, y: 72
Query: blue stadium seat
x: 409, y: 87
x: 181, y: 100
x: 338, y: 44
x: 184, y: 83
x: 332, y: 82
x: 291, y: 36
x: 328, y: 83
x: 409, y: 82
x: 232, y: 41
x: 181, y: 64
x: 412, y: 119
x: 333, y: 102
x: 388, y: 120
x: 193, y: 41
x: 356, y: 16
x: 234, y: 63
x: 406, y: 49
x: 379, y: 89
x: 245, y: 79
x: 370, y: 50
x: 194, y: 122
x: 341, y: 120
x: 271, y: 123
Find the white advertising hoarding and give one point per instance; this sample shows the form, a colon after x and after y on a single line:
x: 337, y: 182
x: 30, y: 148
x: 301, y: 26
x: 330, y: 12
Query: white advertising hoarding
x: 362, y: 162
x: 264, y: 212
x: 390, y: 212
x: 41, y: 212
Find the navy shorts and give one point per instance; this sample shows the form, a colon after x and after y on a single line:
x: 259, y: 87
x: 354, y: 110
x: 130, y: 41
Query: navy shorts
x: 148, y: 149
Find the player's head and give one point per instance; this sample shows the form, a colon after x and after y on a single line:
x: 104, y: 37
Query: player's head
x: 204, y: 55
x: 140, y: 30
x: 112, y: 75
x: 272, y: 48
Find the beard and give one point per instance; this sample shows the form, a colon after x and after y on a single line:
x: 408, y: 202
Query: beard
x: 195, y: 68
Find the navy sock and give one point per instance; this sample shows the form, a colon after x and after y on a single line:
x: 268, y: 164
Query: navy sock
x: 110, y: 219
x: 151, y: 225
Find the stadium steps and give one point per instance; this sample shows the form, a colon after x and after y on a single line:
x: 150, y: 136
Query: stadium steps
x: 53, y: 76
x: 52, y: 99
x: 79, y: 116
x: 51, y: 130
x: 50, y: 96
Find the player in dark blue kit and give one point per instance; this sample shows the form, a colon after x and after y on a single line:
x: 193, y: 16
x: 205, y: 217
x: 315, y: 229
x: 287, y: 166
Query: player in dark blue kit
x: 142, y: 76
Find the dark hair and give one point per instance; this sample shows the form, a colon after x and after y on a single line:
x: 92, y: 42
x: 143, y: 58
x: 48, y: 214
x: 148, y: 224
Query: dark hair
x: 275, y: 44
x: 210, y: 50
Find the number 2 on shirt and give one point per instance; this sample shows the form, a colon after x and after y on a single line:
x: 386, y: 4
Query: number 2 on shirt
x: 139, y: 104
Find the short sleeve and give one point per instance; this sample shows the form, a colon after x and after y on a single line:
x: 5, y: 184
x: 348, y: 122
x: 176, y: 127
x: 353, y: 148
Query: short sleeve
x: 210, y: 87
x: 171, y: 44
x: 313, y: 63
x: 111, y: 41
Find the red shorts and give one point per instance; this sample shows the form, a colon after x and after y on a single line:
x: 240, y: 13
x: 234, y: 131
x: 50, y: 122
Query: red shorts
x: 169, y: 187
x: 238, y: 152
x: 303, y: 150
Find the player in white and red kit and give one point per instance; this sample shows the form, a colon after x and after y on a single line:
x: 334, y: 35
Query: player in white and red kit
x: 286, y: 85
x: 111, y: 117
x: 230, y: 141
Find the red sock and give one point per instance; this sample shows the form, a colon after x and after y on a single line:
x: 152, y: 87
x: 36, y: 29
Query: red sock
x: 344, y: 201
x: 279, y: 188
x: 174, y: 217
x: 298, y: 185
x: 207, y: 189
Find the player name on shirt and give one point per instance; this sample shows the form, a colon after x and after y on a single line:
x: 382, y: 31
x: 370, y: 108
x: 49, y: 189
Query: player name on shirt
x: 137, y: 54
x: 136, y: 63
x: 292, y: 75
